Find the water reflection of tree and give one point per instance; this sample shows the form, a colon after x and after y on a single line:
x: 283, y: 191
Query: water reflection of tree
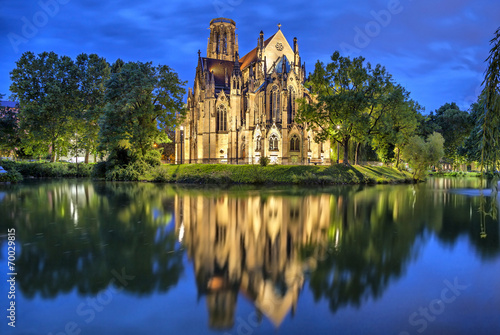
x: 372, y: 240
x: 73, y: 235
x: 377, y: 233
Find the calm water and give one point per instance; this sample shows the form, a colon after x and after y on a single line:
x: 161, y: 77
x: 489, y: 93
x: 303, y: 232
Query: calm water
x: 120, y: 258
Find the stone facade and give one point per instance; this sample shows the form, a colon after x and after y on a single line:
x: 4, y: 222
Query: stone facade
x: 241, y: 109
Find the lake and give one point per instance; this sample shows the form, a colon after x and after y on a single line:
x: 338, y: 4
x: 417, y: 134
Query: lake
x: 139, y: 258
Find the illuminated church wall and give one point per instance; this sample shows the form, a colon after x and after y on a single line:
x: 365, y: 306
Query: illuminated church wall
x: 241, y: 109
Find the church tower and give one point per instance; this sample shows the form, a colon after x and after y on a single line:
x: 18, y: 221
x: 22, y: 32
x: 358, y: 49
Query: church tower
x: 223, y: 41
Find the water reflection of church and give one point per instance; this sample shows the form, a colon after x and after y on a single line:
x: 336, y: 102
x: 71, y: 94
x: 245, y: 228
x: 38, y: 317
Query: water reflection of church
x: 250, y: 247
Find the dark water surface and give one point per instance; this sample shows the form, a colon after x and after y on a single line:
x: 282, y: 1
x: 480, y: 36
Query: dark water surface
x: 135, y: 258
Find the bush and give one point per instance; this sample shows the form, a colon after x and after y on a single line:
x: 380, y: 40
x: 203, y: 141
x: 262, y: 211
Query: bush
x: 153, y: 158
x: 11, y: 177
x: 264, y: 161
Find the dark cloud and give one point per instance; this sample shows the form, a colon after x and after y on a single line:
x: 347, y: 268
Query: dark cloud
x: 434, y: 48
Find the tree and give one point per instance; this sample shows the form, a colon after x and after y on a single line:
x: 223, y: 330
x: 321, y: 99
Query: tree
x: 491, y: 120
x: 420, y: 154
x: 141, y: 103
x: 45, y: 87
x: 396, y: 130
x: 455, y: 126
x: 93, y: 72
x: 351, y: 100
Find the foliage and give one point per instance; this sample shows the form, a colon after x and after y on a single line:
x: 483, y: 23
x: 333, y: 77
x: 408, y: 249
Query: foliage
x: 264, y: 161
x: 471, y: 147
x: 455, y: 126
x: 491, y: 120
x: 93, y: 72
x: 351, y: 100
x: 49, y: 170
x: 45, y: 87
x: 141, y: 103
x: 420, y: 154
x: 12, y: 176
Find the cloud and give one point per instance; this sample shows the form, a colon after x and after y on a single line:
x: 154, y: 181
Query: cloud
x: 436, y: 50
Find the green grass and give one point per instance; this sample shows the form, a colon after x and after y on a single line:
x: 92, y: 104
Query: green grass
x: 218, y: 173
x: 277, y: 174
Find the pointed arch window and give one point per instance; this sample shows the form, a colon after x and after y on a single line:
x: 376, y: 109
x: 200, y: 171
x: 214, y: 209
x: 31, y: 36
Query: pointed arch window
x: 273, y: 143
x: 294, y: 143
x: 221, y: 118
x: 258, y: 143
x: 291, y: 104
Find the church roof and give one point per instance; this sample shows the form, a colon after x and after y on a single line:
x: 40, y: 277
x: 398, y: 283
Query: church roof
x: 219, y: 68
x: 251, y: 57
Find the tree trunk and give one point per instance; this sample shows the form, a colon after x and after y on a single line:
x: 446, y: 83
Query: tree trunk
x: 358, y: 148
x: 53, y: 153
x: 397, y: 159
x: 87, y: 156
x: 346, y: 151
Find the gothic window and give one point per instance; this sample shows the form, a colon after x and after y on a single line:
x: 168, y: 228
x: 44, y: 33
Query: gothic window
x: 309, y: 143
x: 275, y: 103
x: 221, y: 118
x: 294, y: 143
x: 258, y: 143
x: 291, y: 104
x: 273, y: 143
x: 224, y: 43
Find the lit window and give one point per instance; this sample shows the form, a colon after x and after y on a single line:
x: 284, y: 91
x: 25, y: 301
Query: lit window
x: 294, y: 143
x: 221, y: 118
x: 273, y: 143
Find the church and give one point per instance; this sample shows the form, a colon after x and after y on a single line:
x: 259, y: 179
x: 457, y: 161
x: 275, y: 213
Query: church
x: 243, y: 108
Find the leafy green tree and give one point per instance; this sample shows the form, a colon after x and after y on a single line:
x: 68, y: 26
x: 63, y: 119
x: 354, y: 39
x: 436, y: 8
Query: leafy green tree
x: 141, y: 103
x: 396, y: 130
x: 93, y: 72
x: 455, y: 126
x: 420, y: 153
x: 351, y: 101
x: 45, y: 87
x: 491, y: 121
x: 472, y: 145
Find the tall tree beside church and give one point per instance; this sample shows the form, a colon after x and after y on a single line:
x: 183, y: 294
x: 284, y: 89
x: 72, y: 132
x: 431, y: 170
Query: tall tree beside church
x: 491, y: 94
x: 93, y: 72
x: 351, y: 100
x: 45, y: 86
x: 141, y: 103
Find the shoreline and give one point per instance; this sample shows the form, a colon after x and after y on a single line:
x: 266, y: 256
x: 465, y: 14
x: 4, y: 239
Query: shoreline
x: 337, y: 174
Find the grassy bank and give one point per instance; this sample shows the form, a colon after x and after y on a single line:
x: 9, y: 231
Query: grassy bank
x: 277, y: 174
x: 223, y: 174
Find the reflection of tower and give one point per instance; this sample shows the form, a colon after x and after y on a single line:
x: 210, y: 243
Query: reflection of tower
x: 250, y: 245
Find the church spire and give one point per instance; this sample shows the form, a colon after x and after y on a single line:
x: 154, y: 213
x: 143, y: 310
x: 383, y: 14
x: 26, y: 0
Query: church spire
x: 236, y: 66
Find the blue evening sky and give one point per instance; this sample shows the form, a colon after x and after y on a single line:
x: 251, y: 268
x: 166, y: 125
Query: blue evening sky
x: 435, y: 48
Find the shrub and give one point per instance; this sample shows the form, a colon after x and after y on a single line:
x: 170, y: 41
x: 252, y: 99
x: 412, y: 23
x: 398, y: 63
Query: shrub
x: 264, y: 161
x: 153, y: 158
x: 11, y: 177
